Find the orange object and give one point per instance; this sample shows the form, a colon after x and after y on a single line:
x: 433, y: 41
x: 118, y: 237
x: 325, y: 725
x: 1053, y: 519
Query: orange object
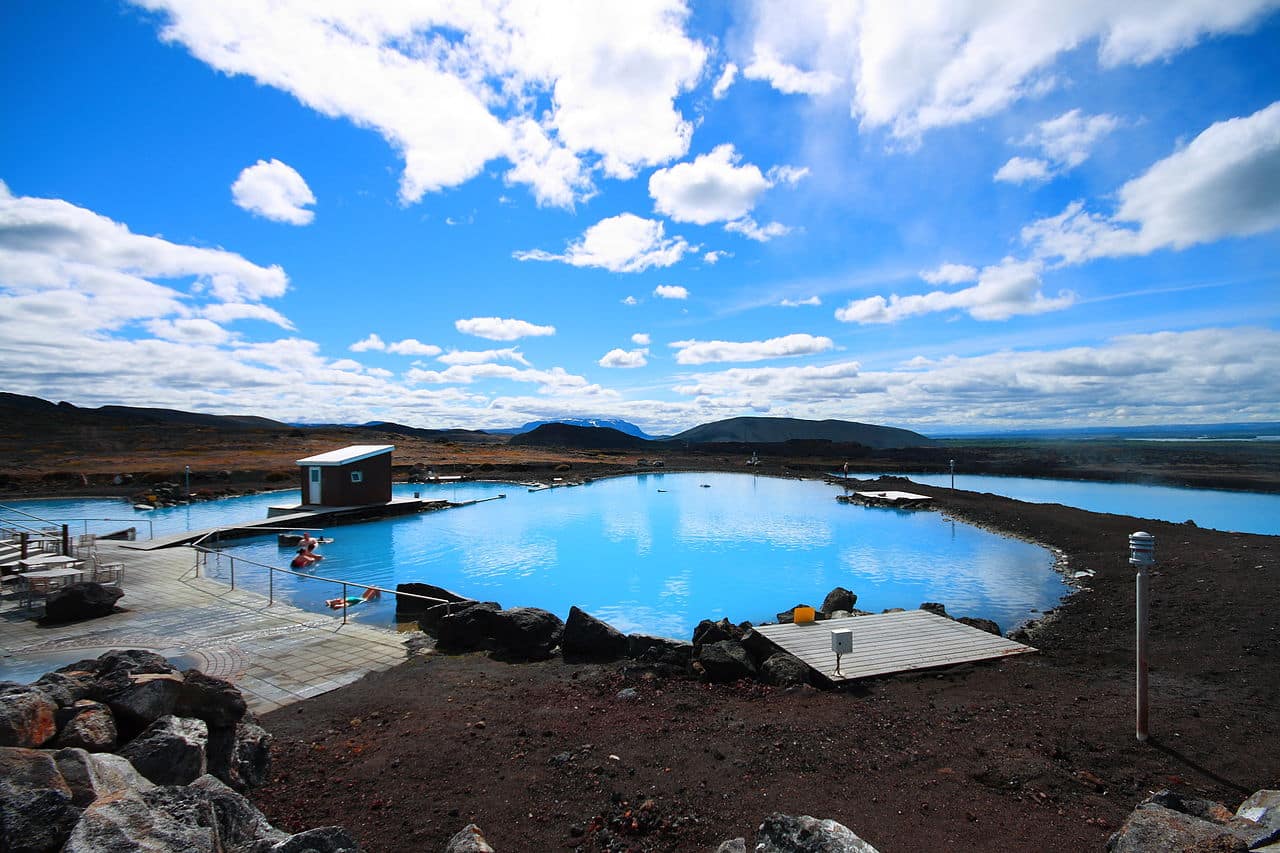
x: 803, y: 615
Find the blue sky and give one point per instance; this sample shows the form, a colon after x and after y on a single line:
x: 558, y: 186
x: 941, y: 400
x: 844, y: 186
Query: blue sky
x: 932, y: 215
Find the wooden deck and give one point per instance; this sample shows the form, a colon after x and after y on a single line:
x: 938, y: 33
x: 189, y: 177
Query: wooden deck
x: 889, y: 642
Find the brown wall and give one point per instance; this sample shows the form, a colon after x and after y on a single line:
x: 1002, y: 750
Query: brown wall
x: 336, y: 488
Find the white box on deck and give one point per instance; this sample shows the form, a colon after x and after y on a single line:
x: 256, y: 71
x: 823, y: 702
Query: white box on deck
x: 842, y: 640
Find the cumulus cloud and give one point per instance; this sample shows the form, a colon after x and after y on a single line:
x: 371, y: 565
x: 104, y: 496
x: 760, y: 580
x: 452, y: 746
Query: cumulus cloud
x: 1065, y: 142
x: 671, y: 291
x: 640, y: 339
x: 950, y: 274
x: 630, y: 300
x: 724, y: 81
x: 713, y: 257
x: 748, y: 227
x: 229, y: 312
x: 413, y: 346
x: 484, y: 356
x: 555, y: 378
x: 708, y: 352
x: 373, y: 343
x: 1224, y: 183
x: 501, y: 329
x: 623, y: 243
x: 796, y: 303
x: 1004, y: 290
x: 920, y: 66
x: 624, y: 358
x: 452, y: 87
x: 275, y: 191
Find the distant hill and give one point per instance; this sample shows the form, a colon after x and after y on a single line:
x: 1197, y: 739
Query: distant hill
x: 580, y: 437
x: 750, y: 430
x: 468, y: 435
x: 34, y: 408
x: 605, y: 423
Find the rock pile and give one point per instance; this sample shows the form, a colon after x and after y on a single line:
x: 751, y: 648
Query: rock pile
x: 1170, y: 821
x: 126, y: 752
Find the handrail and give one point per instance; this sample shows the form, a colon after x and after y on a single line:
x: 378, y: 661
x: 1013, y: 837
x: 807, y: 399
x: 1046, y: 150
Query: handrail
x: 151, y: 527
x: 271, y: 570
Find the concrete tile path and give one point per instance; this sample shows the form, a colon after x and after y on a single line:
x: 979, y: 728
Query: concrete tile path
x: 276, y: 654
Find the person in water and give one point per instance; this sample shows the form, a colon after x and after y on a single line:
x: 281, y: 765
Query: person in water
x: 370, y: 594
x: 308, y: 541
x: 303, y: 560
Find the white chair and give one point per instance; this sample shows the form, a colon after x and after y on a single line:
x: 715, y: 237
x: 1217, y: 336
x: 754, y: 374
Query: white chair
x: 104, y: 572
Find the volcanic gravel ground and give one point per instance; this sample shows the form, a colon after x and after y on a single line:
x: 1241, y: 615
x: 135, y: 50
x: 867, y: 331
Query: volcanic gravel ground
x: 1030, y: 753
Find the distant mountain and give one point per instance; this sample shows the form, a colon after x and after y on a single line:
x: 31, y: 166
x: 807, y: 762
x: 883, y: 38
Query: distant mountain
x: 603, y: 423
x: 748, y: 430
x: 464, y: 435
x: 582, y: 437
x: 34, y: 407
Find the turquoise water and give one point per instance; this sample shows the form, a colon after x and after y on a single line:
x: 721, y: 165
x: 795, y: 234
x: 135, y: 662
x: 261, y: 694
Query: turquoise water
x: 659, y: 561
x: 1243, y: 512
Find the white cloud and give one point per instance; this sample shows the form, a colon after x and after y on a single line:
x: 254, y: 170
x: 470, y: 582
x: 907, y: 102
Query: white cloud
x: 1224, y: 183
x: 630, y: 300
x: 501, y: 329
x: 484, y: 356
x: 229, y: 312
x: 275, y: 191
x: 950, y: 274
x: 713, y: 257
x: 708, y: 352
x: 623, y: 243
x: 624, y: 358
x: 640, y: 339
x: 1065, y: 142
x: 748, y: 227
x: 918, y: 66
x: 1023, y: 170
x: 453, y: 86
x: 188, y: 330
x: 1004, y: 290
x: 724, y: 81
x: 373, y: 343
x: 796, y: 303
x: 465, y: 374
x: 671, y: 291
x: 787, y: 78
x: 413, y: 346
x: 712, y: 188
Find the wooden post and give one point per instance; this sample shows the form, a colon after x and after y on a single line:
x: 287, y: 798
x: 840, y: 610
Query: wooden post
x: 66, y: 542
x: 1142, y: 553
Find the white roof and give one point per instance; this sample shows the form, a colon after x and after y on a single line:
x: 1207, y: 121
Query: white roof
x: 354, y: 453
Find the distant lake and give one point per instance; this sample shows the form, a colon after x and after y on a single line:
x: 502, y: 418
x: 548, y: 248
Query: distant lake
x: 652, y: 553
x: 1243, y: 512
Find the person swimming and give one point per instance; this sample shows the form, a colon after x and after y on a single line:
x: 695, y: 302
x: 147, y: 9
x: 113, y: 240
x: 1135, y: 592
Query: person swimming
x: 303, y: 560
x: 370, y: 594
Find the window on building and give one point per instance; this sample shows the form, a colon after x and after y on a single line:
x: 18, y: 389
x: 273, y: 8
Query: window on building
x: 357, y: 476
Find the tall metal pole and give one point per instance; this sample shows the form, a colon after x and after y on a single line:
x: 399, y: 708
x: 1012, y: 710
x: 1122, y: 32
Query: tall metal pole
x: 953, y: 474
x: 1142, y: 553
x: 188, y: 495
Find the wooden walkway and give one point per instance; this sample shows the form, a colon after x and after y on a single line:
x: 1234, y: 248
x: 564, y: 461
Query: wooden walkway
x: 889, y: 642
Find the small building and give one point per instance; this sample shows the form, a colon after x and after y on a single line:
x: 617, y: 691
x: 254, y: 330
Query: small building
x: 353, y: 476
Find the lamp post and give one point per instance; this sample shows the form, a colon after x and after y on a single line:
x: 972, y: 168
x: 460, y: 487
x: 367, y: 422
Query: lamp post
x: 1142, y: 553
x: 188, y: 473
x: 953, y: 474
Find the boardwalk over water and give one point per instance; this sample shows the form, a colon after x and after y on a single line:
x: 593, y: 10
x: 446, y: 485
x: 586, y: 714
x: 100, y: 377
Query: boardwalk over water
x: 889, y: 642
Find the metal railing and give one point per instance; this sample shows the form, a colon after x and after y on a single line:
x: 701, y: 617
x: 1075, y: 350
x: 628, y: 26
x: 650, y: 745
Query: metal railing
x: 151, y: 527
x: 203, y: 552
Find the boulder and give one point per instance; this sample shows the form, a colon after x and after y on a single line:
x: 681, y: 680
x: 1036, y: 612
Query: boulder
x: 585, y: 636
x: 981, y: 624
x: 469, y: 839
x: 323, y: 839
x: 81, y: 601
x: 708, y: 632
x: 935, y: 608
x: 839, y: 599
x: 170, y: 751
x: 240, y: 824
x: 1263, y: 808
x: 782, y: 833
x: 659, y: 650
x: 470, y: 628
x: 213, y: 700
x: 240, y: 755
x: 94, y: 775
x: 733, y: 845
x: 726, y: 660
x: 1154, y: 827
x: 760, y: 647
x: 784, y: 670
x: 527, y: 633
x: 66, y: 688
x: 27, y: 715
x: 37, y: 810
x: 426, y: 614
x: 139, y: 688
x: 86, y: 725
x: 127, y: 822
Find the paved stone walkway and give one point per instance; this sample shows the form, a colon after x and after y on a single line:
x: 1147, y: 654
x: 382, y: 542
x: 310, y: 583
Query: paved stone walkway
x: 276, y: 654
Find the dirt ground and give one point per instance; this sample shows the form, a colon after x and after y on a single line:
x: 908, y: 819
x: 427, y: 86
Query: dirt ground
x: 1030, y: 753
